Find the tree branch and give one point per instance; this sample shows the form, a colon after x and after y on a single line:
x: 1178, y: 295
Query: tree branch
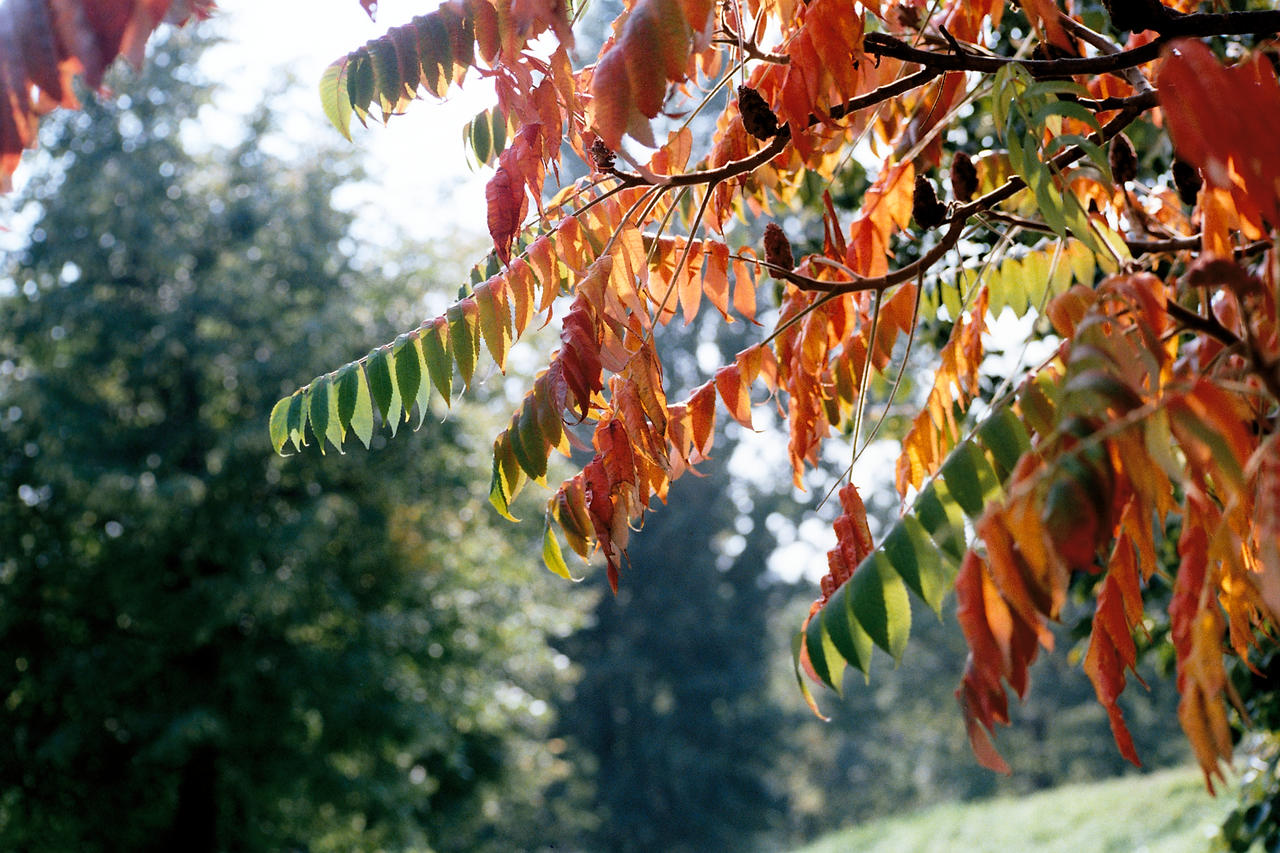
x: 879, y: 44
x: 882, y: 93
x: 882, y: 282
x: 1202, y: 24
x: 711, y: 176
x: 1191, y: 320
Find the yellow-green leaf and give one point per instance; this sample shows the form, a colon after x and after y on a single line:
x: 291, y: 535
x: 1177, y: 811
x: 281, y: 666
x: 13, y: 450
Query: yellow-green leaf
x: 297, y: 420
x: 335, y: 97
x: 362, y: 414
x: 435, y: 350
x: 508, y: 478
x: 423, y: 400
x: 464, y: 337
x: 278, y: 424
x: 552, y: 555
x: 334, y: 430
x: 970, y: 478
x: 495, y: 323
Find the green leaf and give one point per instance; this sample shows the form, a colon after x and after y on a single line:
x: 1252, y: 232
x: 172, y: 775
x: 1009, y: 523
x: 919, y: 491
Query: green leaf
x: 380, y: 383
x: 848, y: 637
x: 552, y: 555
x: 408, y: 371
x: 1066, y: 109
x: 362, y: 414
x: 361, y: 85
x: 318, y: 408
x: 942, y: 517
x: 879, y: 601
x: 916, y: 559
x: 550, y: 425
x: 335, y: 97
x: 970, y: 478
x: 1038, y: 91
x: 481, y: 141
x: 498, y: 130
x: 297, y: 420
x: 435, y: 350
x: 1092, y: 150
x: 278, y: 424
x: 1005, y: 437
x: 348, y: 380
x: 527, y: 443
x: 816, y: 644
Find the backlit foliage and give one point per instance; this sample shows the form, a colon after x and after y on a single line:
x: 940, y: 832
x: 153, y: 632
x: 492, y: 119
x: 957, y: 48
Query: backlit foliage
x: 1153, y: 268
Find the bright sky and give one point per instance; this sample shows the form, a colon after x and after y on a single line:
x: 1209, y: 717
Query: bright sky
x: 417, y: 162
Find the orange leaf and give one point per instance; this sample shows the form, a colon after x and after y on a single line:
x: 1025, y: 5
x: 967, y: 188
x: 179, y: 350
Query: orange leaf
x: 702, y: 413
x: 690, y: 282
x: 735, y: 393
x: 715, y: 281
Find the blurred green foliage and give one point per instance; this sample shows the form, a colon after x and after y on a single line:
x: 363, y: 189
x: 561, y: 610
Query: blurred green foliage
x: 204, y: 646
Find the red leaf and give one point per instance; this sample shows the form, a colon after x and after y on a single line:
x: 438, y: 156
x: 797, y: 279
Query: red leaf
x: 507, y: 206
x: 611, y: 103
x: 488, y: 33
x: 630, y: 80
x: 1111, y: 649
x: 1225, y: 120
x: 42, y: 44
x: 613, y: 446
x: 853, y: 542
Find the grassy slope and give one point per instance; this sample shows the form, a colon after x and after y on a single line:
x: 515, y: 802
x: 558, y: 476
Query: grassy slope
x: 1165, y: 812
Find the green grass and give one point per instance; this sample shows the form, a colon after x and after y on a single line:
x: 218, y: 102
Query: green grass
x: 1165, y: 812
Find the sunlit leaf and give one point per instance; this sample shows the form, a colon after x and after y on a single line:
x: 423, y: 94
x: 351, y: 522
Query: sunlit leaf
x: 334, y: 96
x: 916, y: 559
x: 878, y: 599
x: 279, y: 424
x: 552, y: 556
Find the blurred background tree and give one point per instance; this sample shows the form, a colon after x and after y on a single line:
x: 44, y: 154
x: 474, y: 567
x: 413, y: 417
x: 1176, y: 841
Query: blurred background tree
x: 206, y: 647
x: 673, y: 715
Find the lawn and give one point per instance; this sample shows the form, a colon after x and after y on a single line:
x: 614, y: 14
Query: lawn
x: 1164, y: 812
